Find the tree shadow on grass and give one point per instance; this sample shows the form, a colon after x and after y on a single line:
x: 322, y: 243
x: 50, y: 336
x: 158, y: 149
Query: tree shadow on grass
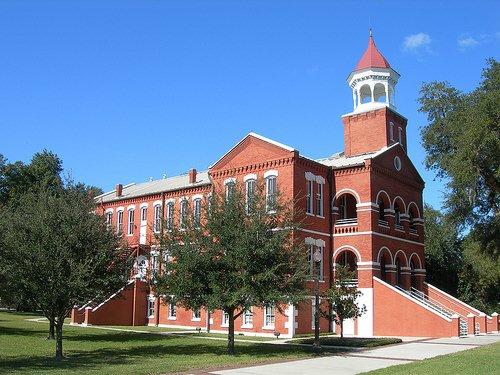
x: 111, y: 336
x: 18, y: 331
x: 95, y: 359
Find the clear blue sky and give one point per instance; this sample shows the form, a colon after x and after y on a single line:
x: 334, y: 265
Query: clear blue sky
x: 124, y: 90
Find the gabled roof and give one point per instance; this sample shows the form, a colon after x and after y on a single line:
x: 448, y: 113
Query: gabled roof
x: 372, y: 58
x: 155, y: 187
x: 258, y: 136
x: 339, y: 160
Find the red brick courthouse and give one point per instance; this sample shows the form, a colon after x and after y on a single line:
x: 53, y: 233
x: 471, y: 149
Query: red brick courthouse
x: 363, y: 208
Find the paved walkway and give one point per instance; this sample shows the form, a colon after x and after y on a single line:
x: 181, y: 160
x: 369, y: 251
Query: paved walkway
x: 368, y: 360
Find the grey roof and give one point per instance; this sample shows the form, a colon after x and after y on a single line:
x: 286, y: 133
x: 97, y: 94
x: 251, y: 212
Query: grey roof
x: 156, y: 186
x: 339, y: 160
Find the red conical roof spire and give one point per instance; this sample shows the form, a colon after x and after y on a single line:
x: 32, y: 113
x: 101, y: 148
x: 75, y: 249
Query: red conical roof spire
x: 372, y: 58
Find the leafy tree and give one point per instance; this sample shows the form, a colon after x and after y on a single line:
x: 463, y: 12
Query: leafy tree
x: 443, y: 255
x: 60, y: 254
x: 241, y: 254
x: 342, y: 296
x: 462, y: 141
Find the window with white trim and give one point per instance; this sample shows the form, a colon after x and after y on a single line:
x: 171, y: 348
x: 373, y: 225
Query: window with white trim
x: 269, y: 316
x: 230, y: 187
x: 109, y: 219
x: 391, y: 131
x: 310, y: 258
x: 144, y: 213
x: 250, y: 192
x: 225, y: 319
x: 130, y: 226
x: 172, y: 310
x: 197, y: 212
x: 271, y: 193
x: 170, y: 215
x: 197, y: 314
x: 151, y: 307
x: 183, y: 214
x: 248, y: 317
x: 119, y: 223
x: 157, y: 222
x: 319, y: 200
x: 309, y: 202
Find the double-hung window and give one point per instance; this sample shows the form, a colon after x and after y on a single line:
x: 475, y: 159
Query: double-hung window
x: 269, y: 316
x: 319, y: 200
x: 183, y: 214
x: 271, y: 192
x: 170, y: 215
x: 151, y: 307
x: 248, y: 318
x: 144, y: 213
x: 230, y: 187
x: 119, y: 223
x: 109, y: 219
x: 197, y: 212
x: 225, y: 319
x: 309, y: 202
x: 315, y: 269
x: 250, y: 193
x: 157, y: 222
x: 130, y: 226
x: 172, y: 310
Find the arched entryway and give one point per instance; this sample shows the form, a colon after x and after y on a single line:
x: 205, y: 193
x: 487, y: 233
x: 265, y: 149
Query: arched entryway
x: 385, y: 261
x: 348, y: 259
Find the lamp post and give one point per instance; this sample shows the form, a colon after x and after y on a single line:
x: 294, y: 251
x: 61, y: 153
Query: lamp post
x: 317, y: 257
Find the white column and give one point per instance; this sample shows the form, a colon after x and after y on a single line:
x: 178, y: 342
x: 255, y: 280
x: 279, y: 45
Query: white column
x: 386, y: 85
x: 354, y: 97
x: 372, y: 88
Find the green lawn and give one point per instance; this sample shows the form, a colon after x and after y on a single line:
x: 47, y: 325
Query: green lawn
x: 25, y: 350
x: 352, y: 342
x: 484, y: 360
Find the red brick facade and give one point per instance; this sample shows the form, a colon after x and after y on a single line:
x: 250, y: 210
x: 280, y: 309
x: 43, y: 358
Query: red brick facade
x: 367, y: 215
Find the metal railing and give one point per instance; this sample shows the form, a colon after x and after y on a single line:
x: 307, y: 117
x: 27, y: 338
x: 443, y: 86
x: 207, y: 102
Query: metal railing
x: 349, y: 221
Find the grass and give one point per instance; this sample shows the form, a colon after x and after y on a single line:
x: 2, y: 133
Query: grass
x: 351, y: 342
x: 483, y: 360
x: 25, y: 350
x: 151, y: 329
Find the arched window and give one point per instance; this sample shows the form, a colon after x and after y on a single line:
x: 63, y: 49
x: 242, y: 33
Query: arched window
x: 250, y: 194
x: 365, y: 94
x: 271, y: 193
x: 413, y: 276
x: 347, y: 209
x: 379, y: 93
x: 413, y: 214
x: 197, y: 212
x: 170, y: 215
x: 381, y: 211
x: 397, y: 216
x: 183, y: 214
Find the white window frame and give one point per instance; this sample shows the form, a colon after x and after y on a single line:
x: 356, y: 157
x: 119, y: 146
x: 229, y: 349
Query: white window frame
x: 130, y: 221
x: 109, y: 219
x: 151, y: 307
x: 225, y: 319
x: 247, y: 318
x: 229, y: 186
x: 269, y: 317
x: 391, y: 131
x: 172, y: 311
x: 183, y: 212
x: 249, y: 193
x: 170, y: 215
x: 309, y: 197
x: 157, y: 218
x: 312, y: 245
x: 320, y: 199
x: 119, y: 222
x: 196, y: 318
x: 144, y: 213
x: 197, y: 212
x: 271, y: 197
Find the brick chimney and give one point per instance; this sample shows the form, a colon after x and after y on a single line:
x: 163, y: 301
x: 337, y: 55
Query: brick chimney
x: 119, y: 190
x: 192, y: 176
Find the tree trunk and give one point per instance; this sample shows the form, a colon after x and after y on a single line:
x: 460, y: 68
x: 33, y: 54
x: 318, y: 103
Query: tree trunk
x: 52, y: 328
x: 230, y: 334
x: 59, y: 338
x: 341, y: 328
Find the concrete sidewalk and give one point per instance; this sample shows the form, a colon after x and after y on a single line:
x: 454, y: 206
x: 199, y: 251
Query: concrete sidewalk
x: 370, y: 359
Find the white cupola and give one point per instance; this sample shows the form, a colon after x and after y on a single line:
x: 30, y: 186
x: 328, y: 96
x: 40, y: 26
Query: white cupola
x: 373, y: 81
